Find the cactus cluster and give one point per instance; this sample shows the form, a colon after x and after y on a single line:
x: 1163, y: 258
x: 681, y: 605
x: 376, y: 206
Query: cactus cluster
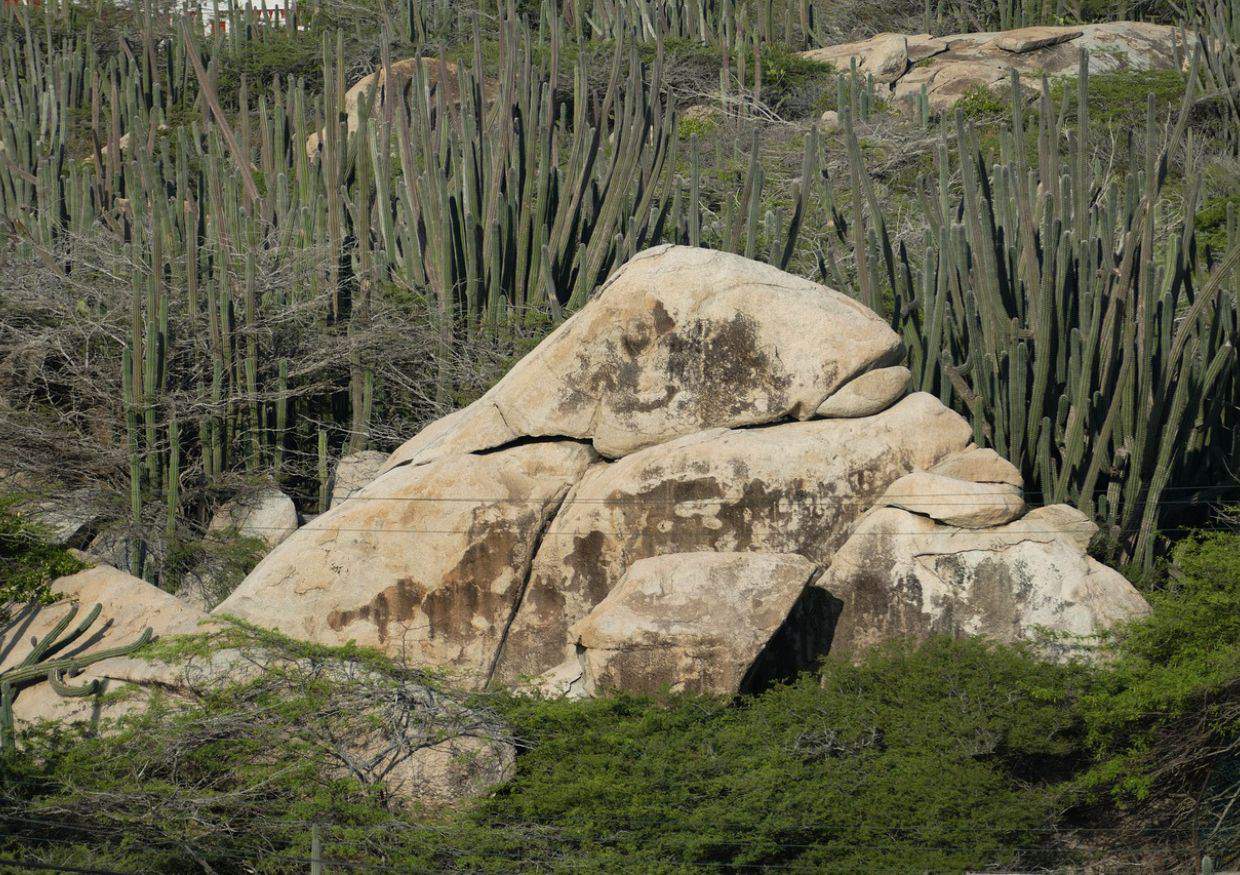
x: 496, y: 182
x: 1059, y: 307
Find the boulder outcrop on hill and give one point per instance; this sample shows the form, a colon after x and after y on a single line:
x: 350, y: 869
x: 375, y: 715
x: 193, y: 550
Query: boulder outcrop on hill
x: 708, y: 412
x: 950, y: 67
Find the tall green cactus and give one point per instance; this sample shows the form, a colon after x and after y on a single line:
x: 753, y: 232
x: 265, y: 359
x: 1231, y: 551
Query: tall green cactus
x: 1079, y: 333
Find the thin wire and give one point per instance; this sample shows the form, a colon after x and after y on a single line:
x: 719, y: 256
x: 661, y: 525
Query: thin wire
x: 48, y: 867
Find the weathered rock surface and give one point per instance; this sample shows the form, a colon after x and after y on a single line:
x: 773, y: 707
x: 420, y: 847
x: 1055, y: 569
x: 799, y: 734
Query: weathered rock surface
x: 950, y: 67
x: 421, y: 744
x: 266, y: 514
x: 427, y: 563
x: 354, y: 471
x: 903, y: 576
x: 872, y: 392
x: 792, y: 488
x: 695, y: 622
x: 679, y: 340
x: 128, y: 606
x: 980, y: 465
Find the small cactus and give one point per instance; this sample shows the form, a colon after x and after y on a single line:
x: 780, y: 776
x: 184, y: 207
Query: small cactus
x: 42, y: 664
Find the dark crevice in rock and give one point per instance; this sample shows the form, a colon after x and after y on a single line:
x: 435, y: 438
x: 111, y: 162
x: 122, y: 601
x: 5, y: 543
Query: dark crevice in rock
x: 799, y: 644
x: 552, y: 512
x: 528, y: 440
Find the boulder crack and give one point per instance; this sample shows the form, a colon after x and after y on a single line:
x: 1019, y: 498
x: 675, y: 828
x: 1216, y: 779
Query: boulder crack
x: 553, y: 510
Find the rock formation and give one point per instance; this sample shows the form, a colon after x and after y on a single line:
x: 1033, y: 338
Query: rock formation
x: 420, y: 743
x: 265, y: 514
x: 950, y: 67
x: 701, y: 622
x: 354, y: 471
x: 701, y: 403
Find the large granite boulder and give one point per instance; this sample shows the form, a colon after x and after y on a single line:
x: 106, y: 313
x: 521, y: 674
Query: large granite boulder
x: 699, y: 623
x: 711, y: 409
x: 950, y: 67
x: 791, y: 488
x: 428, y: 562
x: 679, y: 340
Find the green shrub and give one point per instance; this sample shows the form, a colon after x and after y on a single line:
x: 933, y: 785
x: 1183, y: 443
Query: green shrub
x: 27, y: 562
x: 1164, y: 722
x: 1211, y: 221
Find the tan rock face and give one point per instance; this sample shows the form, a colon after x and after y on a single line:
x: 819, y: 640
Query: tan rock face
x: 903, y: 576
x: 793, y: 488
x: 679, y: 340
x: 696, y: 622
x: 951, y: 67
x: 128, y: 606
x: 700, y: 404
x: 872, y: 392
x: 1027, y: 39
x: 354, y: 471
x: 980, y: 465
x: 426, y: 563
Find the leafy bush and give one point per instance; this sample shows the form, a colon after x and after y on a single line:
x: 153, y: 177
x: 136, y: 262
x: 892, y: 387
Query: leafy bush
x: 1164, y: 720
x: 27, y: 562
x: 950, y: 756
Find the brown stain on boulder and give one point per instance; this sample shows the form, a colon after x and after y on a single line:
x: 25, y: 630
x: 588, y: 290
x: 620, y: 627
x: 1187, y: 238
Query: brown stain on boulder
x: 396, y: 604
x: 452, y: 605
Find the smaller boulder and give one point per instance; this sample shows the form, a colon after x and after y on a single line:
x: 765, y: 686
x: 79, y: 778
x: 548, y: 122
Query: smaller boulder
x: 128, y: 606
x: 904, y: 576
x: 960, y: 503
x: 1028, y: 39
x: 695, y: 622
x: 267, y: 514
x: 979, y: 465
x: 871, y: 393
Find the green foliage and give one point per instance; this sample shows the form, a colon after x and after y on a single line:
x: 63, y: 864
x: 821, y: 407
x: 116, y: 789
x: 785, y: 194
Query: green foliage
x: 27, y: 562
x: 1179, y: 667
x: 873, y: 765
x: 982, y: 104
x: 892, y: 762
x: 277, y: 55
x: 1211, y: 221
x: 1121, y: 98
x: 951, y: 755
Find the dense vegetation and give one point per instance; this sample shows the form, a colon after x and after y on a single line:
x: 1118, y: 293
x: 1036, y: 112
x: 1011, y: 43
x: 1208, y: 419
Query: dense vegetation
x: 193, y: 303
x: 955, y: 755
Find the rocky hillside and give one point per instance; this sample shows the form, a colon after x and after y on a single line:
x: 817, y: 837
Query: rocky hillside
x: 479, y: 437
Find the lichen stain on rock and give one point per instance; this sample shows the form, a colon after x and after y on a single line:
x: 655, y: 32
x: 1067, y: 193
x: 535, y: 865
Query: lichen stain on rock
x: 588, y: 565
x: 727, y: 367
